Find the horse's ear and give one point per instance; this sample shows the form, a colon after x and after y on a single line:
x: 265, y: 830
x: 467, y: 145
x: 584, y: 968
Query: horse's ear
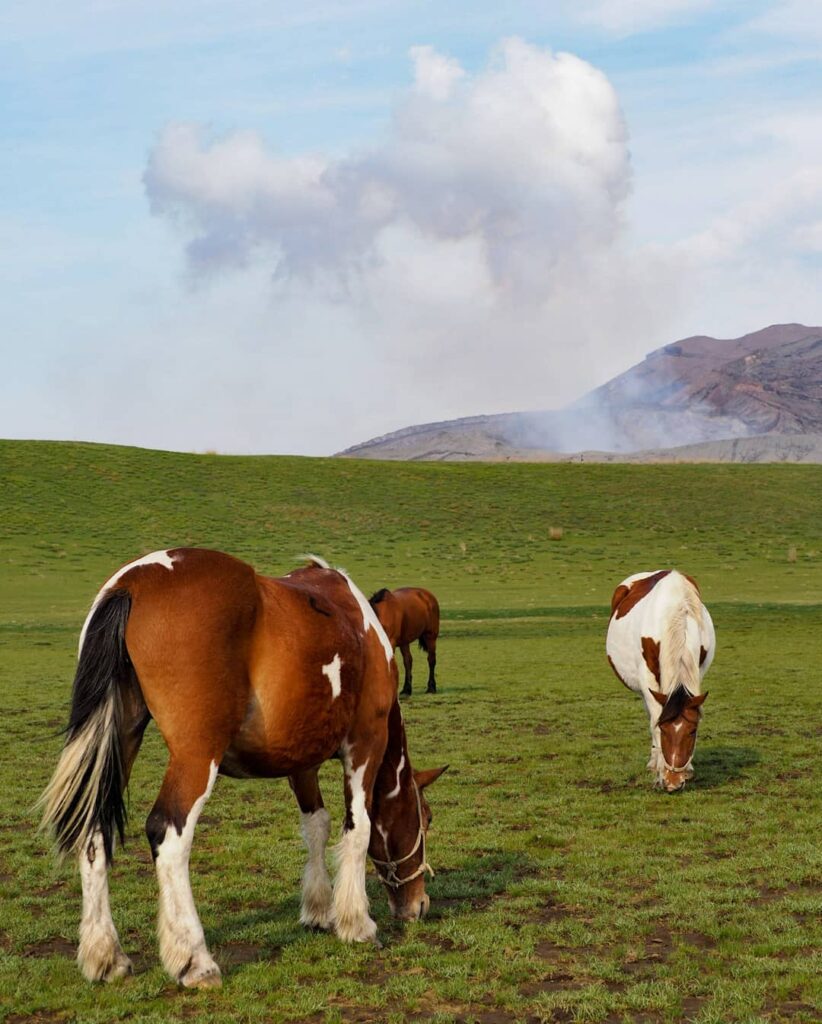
x: 660, y: 698
x: 695, y: 702
x: 427, y: 776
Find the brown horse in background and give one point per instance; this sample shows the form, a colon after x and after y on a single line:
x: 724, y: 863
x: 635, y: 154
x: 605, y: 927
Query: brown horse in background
x: 408, y: 614
x: 245, y: 676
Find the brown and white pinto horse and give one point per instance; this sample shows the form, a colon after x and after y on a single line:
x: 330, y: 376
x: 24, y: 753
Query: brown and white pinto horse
x: 244, y: 676
x: 408, y: 614
x: 661, y: 643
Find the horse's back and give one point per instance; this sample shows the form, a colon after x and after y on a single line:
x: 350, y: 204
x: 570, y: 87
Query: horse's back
x: 641, y: 608
x: 274, y: 670
x: 420, y: 612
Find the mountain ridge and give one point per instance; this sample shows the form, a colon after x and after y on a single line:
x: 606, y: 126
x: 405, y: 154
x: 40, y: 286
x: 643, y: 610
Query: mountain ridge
x: 687, y: 393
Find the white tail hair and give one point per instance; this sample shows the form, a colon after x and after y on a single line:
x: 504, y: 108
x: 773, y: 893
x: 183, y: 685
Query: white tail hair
x: 70, y: 802
x: 679, y: 650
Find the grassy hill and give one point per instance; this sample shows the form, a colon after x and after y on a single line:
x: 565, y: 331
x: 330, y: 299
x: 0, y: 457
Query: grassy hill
x: 566, y: 888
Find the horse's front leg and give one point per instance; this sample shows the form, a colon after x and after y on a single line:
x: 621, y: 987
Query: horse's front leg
x: 431, y: 649
x: 351, y: 918
x: 317, y: 909
x: 655, y: 762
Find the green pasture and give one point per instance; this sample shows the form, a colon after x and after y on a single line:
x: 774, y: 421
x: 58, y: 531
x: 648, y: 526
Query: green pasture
x: 567, y: 889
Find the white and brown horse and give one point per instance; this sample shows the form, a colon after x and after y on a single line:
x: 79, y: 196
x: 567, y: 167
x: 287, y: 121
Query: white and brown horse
x: 661, y: 643
x: 408, y: 614
x: 244, y: 676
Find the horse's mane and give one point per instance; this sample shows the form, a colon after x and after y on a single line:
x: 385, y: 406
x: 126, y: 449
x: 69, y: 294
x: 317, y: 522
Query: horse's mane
x: 315, y: 561
x: 677, y: 663
x: 675, y: 705
x: 380, y: 595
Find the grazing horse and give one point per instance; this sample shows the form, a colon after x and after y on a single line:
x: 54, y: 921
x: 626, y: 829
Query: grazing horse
x: 661, y: 643
x: 408, y: 614
x: 244, y: 676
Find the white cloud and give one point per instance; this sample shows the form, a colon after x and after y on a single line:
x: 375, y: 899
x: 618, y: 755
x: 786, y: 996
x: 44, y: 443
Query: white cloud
x: 627, y: 16
x: 477, y: 250
x: 529, y: 158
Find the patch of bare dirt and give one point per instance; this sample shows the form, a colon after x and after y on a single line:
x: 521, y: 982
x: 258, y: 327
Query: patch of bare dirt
x: 57, y: 946
x: 698, y: 939
x: 691, y: 1006
x: 38, y: 1017
x: 234, y: 954
x: 558, y: 981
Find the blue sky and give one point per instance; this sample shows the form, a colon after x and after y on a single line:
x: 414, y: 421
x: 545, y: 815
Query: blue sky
x: 242, y: 228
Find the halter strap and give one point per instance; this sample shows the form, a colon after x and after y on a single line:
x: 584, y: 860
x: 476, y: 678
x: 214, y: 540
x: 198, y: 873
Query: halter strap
x: 392, y: 879
x: 676, y: 771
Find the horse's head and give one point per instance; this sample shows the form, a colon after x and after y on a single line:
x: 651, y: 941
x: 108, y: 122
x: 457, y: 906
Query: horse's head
x: 678, y: 724
x: 401, y: 818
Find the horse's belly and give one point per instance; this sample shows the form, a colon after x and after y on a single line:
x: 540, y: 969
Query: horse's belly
x: 281, y: 736
x: 624, y: 651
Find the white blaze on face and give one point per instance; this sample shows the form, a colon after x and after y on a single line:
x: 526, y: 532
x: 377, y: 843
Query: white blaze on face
x: 163, y: 558
x: 332, y: 673
x: 396, y: 790
x: 369, y: 619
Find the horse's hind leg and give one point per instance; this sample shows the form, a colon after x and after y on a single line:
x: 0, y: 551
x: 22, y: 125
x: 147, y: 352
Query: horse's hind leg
x: 100, y: 955
x: 170, y: 829
x: 431, y: 647
x: 407, y: 662
x: 317, y: 910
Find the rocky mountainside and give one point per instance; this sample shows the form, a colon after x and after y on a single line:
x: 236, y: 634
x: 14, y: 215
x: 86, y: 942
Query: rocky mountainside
x: 696, y: 391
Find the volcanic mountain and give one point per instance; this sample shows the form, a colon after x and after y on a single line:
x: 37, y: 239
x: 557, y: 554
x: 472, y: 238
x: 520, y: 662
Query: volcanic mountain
x: 694, y: 392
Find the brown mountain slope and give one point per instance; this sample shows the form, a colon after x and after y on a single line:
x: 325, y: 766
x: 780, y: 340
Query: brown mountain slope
x: 696, y: 390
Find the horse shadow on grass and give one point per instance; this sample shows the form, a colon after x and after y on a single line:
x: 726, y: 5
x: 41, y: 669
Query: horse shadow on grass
x: 716, y: 766
x: 469, y: 885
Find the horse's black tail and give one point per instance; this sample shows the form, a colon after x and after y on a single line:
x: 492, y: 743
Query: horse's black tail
x: 423, y: 642
x: 85, y: 794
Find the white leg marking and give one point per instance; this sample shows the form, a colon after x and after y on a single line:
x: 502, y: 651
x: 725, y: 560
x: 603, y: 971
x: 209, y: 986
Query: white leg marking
x: 353, y: 923
x: 155, y: 558
x: 182, y: 942
x: 317, y: 909
x: 396, y: 790
x: 332, y: 673
x: 99, y: 955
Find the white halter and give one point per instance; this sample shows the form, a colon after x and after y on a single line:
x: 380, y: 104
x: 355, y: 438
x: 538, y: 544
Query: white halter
x: 392, y: 879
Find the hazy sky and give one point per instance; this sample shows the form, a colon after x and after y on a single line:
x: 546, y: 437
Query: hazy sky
x: 267, y: 227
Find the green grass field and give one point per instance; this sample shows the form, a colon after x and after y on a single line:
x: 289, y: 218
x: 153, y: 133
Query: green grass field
x: 567, y: 889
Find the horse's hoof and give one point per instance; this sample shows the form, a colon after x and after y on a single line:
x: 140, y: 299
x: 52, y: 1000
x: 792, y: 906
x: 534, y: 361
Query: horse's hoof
x: 405, y: 692
x: 206, y: 975
x: 431, y: 689
x: 121, y: 968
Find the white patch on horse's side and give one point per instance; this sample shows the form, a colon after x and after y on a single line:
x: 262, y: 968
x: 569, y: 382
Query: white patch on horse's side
x: 352, y: 920
x: 182, y: 942
x: 163, y: 558
x: 317, y: 908
x: 99, y: 954
x: 396, y: 790
x: 332, y: 673
x: 369, y: 617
